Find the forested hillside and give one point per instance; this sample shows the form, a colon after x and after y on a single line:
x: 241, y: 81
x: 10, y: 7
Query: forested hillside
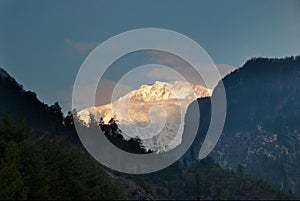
x: 262, y: 131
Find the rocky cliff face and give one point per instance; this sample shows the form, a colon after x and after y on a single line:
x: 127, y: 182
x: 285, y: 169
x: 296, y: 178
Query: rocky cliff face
x: 262, y: 129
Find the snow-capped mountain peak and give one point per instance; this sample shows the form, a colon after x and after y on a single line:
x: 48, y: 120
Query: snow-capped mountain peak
x: 165, y: 91
x: 152, y: 112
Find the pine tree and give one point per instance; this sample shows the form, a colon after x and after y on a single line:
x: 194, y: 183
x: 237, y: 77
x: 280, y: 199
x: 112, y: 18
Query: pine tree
x: 12, y: 183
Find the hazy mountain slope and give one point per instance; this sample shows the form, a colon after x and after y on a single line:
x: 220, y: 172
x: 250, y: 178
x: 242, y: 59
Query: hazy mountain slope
x: 262, y: 128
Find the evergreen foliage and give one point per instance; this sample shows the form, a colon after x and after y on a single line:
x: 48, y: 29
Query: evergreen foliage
x: 48, y: 168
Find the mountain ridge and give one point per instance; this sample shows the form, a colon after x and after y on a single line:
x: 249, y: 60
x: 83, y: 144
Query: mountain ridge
x: 261, y: 133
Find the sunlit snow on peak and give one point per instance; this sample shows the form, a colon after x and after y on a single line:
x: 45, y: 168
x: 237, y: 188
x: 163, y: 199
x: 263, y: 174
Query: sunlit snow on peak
x: 160, y: 109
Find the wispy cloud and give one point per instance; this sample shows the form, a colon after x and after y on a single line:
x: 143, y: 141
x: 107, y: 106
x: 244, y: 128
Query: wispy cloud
x: 185, y: 70
x: 107, y: 91
x: 81, y: 47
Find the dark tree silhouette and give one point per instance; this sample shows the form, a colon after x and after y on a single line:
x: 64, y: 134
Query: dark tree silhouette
x: 114, y: 135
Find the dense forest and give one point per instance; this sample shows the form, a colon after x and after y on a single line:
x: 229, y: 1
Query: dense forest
x: 55, y: 169
x: 48, y: 168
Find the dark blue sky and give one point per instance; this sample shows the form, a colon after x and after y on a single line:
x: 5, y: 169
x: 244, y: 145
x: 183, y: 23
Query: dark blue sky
x: 43, y: 43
